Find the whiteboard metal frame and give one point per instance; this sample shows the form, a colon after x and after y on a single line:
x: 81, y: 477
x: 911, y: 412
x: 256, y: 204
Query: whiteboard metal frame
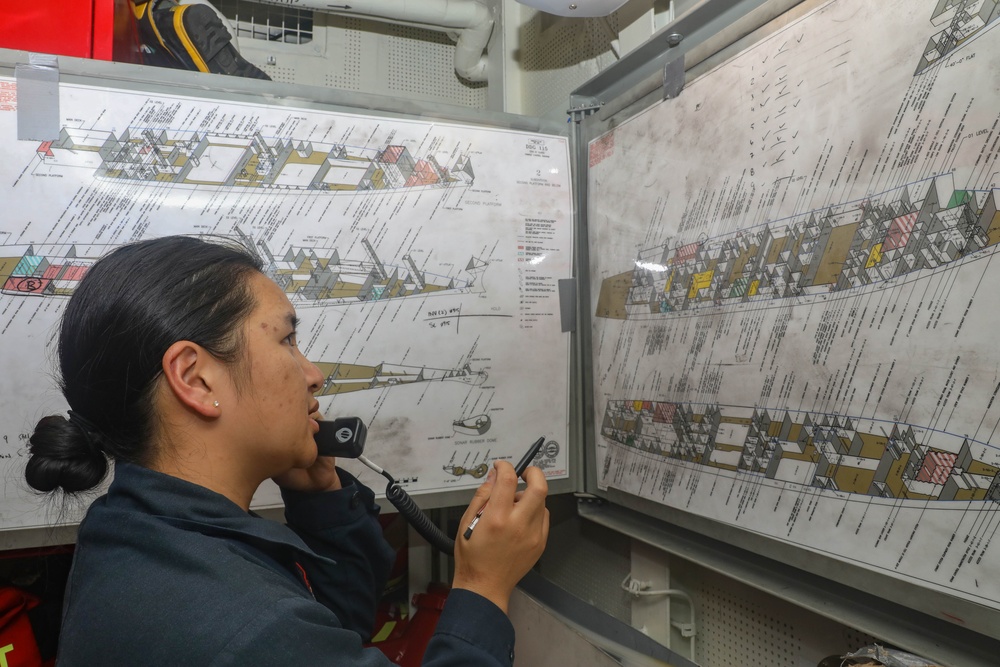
x: 908, y: 612
x: 156, y: 80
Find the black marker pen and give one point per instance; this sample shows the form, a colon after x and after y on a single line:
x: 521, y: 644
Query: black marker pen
x: 521, y: 466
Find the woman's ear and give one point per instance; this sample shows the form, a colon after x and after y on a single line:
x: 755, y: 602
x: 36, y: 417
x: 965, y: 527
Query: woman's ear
x: 192, y: 374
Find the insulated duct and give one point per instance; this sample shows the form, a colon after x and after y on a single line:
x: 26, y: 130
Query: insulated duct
x: 467, y: 20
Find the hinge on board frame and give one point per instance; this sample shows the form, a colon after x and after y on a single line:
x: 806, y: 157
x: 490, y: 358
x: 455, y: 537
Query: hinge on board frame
x: 582, y: 109
x: 673, y: 78
x: 38, y: 116
x: 673, y: 71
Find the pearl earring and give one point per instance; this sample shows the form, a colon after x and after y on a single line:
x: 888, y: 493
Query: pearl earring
x: 215, y: 403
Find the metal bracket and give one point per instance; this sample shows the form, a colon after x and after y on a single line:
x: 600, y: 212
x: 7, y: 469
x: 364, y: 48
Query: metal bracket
x: 582, y: 109
x: 687, y: 630
x: 589, y: 499
x: 673, y: 78
x: 38, y: 98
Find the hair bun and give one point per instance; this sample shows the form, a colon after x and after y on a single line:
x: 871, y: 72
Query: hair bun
x: 64, y: 455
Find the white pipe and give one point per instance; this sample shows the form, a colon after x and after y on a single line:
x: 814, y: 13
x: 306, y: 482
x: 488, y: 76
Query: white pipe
x: 470, y: 18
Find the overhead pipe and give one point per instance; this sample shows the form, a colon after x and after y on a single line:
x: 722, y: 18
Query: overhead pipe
x: 469, y: 19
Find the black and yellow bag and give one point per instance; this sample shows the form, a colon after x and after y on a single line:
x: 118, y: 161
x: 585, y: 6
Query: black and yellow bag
x: 189, y: 37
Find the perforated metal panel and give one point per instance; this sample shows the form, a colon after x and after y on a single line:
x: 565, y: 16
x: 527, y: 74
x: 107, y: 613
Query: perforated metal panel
x: 282, y: 74
x: 345, y: 48
x: 319, y: 49
x: 435, y: 53
x: 587, y: 560
x: 740, y: 625
x: 731, y: 626
x: 553, y: 55
x: 737, y: 625
x: 557, y: 54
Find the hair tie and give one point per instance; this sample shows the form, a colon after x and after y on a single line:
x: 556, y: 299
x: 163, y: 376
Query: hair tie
x: 90, y: 432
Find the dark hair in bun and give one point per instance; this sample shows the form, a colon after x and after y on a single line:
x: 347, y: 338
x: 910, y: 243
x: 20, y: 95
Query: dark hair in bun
x: 130, y: 307
x: 72, y: 458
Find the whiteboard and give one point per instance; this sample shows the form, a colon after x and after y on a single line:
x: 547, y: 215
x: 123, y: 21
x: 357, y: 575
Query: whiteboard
x: 423, y: 258
x: 793, y: 314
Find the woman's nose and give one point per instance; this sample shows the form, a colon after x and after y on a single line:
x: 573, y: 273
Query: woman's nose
x: 313, y: 375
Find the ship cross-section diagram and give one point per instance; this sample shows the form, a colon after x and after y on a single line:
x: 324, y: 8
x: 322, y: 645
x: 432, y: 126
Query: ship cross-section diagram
x: 33, y: 273
x: 309, y: 276
x: 923, y: 226
x: 345, y: 378
x: 321, y: 277
x: 960, y: 21
x: 249, y: 161
x: 825, y: 451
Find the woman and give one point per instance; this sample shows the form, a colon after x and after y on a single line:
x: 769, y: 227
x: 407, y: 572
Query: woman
x: 179, y: 362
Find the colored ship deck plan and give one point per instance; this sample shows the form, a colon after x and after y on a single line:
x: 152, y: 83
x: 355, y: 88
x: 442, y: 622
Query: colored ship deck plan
x: 422, y: 258
x: 795, y: 300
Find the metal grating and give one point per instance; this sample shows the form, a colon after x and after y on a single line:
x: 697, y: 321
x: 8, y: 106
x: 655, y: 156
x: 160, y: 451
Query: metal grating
x: 269, y: 23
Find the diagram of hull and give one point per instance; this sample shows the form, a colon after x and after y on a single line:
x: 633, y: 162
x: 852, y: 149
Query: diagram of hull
x: 32, y: 273
x: 248, y: 161
x: 962, y: 20
x: 923, y: 226
x: 395, y: 238
x: 309, y: 276
x: 347, y: 378
x: 797, y: 298
x: 830, y: 452
x: 318, y: 276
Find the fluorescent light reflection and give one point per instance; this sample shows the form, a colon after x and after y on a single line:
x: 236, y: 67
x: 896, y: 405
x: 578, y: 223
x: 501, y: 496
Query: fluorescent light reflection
x: 650, y: 266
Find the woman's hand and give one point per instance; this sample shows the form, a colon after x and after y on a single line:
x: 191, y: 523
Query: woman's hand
x: 320, y: 476
x: 510, y: 535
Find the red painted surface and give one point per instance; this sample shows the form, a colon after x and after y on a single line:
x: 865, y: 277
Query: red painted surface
x: 100, y: 29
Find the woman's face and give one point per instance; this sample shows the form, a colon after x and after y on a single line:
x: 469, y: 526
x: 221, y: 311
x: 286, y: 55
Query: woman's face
x: 275, y: 406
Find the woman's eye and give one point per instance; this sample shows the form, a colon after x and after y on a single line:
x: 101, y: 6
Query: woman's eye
x: 290, y: 339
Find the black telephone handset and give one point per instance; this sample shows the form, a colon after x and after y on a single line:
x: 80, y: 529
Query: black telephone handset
x: 343, y: 437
